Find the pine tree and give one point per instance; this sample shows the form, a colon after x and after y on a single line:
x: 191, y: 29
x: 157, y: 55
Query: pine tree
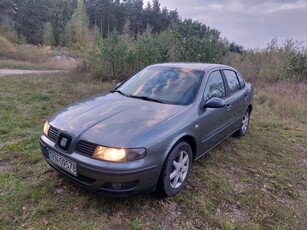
x: 48, y: 34
x: 78, y: 27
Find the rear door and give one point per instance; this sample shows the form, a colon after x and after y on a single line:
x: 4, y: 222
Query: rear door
x: 236, y: 100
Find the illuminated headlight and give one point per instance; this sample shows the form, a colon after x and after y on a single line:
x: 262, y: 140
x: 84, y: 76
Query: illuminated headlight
x: 46, y: 128
x: 118, y: 155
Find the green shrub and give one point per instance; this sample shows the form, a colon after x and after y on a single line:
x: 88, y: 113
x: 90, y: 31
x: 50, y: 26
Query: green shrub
x: 276, y: 62
x: 49, y: 39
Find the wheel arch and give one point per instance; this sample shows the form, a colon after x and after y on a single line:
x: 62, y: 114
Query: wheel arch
x: 250, y: 107
x: 190, y: 140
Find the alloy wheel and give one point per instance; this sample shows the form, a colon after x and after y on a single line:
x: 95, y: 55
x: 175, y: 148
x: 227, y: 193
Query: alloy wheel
x: 180, y: 169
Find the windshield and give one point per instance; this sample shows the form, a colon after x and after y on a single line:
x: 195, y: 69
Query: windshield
x: 163, y: 84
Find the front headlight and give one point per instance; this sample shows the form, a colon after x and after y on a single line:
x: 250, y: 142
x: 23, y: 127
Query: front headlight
x: 118, y: 155
x: 46, y: 128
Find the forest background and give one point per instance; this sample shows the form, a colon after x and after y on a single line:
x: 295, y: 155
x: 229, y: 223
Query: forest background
x: 114, y: 38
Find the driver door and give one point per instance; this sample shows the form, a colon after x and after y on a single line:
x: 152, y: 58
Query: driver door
x: 213, y: 121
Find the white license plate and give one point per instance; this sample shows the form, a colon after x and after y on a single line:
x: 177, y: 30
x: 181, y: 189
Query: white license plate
x: 63, y: 162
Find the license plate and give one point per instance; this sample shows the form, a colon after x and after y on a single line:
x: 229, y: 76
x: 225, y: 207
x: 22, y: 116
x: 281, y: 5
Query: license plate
x: 63, y: 162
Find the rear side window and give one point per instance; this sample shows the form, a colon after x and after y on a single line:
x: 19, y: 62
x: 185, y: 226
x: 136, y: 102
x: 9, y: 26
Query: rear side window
x: 215, y: 86
x: 232, y: 80
x: 242, y: 82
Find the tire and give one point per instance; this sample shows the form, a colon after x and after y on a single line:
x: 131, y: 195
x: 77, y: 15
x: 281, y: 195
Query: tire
x: 176, y: 169
x: 244, y: 124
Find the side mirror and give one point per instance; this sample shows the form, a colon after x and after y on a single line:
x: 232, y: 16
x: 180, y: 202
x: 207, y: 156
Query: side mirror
x: 214, y: 102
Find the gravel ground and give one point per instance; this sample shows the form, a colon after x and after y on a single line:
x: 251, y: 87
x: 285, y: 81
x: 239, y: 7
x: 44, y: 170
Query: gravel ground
x: 4, y: 72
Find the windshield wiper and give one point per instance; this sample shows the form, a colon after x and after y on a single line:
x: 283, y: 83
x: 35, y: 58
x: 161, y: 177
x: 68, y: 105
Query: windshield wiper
x: 118, y: 91
x: 146, y: 98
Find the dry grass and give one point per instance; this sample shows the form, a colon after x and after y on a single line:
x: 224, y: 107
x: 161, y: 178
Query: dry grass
x: 6, y: 47
x: 284, y: 99
x: 33, y: 57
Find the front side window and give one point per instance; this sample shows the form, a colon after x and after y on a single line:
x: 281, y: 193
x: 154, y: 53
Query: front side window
x: 215, y: 86
x: 233, y: 82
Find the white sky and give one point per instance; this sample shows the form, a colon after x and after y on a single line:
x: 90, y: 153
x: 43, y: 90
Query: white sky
x: 250, y: 23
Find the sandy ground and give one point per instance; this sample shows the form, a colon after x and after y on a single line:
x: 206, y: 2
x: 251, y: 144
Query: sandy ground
x: 4, y: 72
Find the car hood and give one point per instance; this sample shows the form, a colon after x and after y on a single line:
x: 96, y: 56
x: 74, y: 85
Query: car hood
x: 112, y: 120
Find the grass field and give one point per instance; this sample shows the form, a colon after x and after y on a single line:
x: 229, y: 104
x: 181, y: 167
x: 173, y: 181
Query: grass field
x: 257, y: 182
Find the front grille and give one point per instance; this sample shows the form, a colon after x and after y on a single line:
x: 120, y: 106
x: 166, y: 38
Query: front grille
x: 53, y: 133
x: 85, y: 147
x: 64, y: 141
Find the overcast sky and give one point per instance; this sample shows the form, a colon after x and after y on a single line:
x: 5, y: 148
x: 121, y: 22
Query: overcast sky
x: 250, y: 23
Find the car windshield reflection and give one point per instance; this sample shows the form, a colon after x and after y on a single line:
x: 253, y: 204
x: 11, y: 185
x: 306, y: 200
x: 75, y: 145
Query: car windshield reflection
x: 163, y: 85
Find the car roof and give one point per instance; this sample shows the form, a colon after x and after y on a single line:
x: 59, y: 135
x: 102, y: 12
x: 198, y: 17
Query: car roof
x: 195, y: 66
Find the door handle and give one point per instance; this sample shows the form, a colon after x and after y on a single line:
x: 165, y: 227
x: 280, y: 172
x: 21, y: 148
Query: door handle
x: 228, y: 106
x: 245, y: 97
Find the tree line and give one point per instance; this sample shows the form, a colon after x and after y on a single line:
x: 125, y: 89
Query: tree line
x: 30, y: 17
x: 116, y: 38
x: 112, y: 31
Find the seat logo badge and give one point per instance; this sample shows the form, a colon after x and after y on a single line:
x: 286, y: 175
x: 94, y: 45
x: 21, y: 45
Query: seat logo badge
x: 63, y: 142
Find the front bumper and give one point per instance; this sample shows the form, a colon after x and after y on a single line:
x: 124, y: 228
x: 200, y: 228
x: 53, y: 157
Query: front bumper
x: 110, y: 178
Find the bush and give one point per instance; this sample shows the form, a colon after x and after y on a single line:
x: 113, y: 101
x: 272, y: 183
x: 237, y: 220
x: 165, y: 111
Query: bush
x: 49, y: 39
x: 8, y: 30
x: 284, y: 62
x: 108, y: 57
x: 7, y: 49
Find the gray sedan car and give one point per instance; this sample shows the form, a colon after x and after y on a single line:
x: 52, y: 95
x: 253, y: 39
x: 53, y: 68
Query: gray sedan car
x: 146, y: 133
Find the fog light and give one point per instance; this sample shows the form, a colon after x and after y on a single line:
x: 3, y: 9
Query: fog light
x: 120, y: 185
x: 117, y: 185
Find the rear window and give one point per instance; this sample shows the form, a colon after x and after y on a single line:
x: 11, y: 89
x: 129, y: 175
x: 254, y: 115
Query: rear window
x: 232, y: 80
x: 242, y: 82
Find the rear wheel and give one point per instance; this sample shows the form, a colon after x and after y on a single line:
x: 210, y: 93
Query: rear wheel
x: 245, y: 124
x: 176, y: 169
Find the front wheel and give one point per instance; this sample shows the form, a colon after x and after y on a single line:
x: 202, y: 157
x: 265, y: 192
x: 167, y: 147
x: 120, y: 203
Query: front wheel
x: 176, y: 169
x: 245, y: 124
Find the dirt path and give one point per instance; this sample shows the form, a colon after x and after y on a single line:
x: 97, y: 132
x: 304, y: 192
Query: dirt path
x: 4, y: 72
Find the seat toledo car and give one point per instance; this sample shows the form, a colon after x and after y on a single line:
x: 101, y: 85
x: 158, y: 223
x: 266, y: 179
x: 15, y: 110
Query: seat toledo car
x: 146, y: 133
